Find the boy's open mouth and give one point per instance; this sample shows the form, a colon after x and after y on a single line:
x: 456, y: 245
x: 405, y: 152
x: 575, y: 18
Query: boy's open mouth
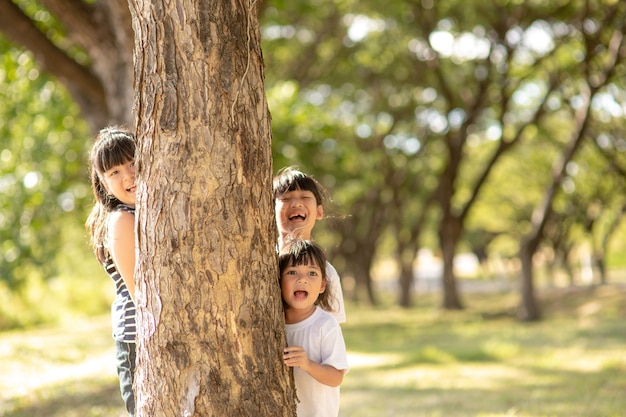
x: 298, y: 217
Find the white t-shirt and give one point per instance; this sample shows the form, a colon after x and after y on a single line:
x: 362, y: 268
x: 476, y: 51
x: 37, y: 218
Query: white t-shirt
x: 320, y: 336
x: 339, y: 311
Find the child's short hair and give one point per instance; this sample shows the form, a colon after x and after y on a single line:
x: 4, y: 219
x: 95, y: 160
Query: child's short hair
x: 291, y: 179
x: 305, y: 252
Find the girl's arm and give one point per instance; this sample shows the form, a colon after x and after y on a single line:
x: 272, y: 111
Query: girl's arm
x: 122, y: 246
x: 324, y: 374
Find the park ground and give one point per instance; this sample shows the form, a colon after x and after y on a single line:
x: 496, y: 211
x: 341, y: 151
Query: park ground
x: 404, y: 362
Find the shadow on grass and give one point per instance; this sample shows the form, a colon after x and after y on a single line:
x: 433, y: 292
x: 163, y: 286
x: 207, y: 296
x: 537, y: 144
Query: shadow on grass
x: 84, y: 398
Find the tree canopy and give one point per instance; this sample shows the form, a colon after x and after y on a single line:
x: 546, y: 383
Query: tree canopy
x: 432, y: 124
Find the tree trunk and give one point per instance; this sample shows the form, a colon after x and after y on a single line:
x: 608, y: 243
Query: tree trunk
x: 599, y: 254
x: 406, y: 285
x: 360, y: 234
x: 210, y: 318
x: 449, y: 234
x: 407, y: 230
x: 601, y: 265
x: 529, y: 308
x: 359, y: 262
x: 363, y: 280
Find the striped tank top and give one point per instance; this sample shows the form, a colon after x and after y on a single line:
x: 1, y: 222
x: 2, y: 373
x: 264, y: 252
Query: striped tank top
x: 123, y: 307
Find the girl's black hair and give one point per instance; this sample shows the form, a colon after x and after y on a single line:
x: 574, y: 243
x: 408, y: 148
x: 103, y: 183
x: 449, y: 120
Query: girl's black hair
x: 291, y: 179
x: 114, y: 145
x: 305, y: 252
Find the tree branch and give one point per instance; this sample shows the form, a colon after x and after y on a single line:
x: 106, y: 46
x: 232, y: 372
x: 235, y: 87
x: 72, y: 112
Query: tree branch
x: 82, y: 84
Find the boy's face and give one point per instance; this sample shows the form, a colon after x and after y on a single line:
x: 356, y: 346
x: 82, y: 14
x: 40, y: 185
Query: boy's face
x: 296, y: 213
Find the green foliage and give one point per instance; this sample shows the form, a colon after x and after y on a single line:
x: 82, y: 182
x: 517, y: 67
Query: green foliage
x: 80, y: 286
x: 378, y: 91
x: 43, y: 180
x: 371, y: 98
x: 38, y: 122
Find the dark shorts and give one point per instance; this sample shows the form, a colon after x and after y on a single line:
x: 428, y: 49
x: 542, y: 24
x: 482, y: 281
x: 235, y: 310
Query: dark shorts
x: 125, y: 353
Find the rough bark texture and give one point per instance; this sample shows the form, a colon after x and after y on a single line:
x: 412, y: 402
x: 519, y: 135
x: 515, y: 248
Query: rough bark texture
x: 209, y: 305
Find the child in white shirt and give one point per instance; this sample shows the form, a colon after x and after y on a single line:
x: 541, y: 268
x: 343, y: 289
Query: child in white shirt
x: 316, y: 349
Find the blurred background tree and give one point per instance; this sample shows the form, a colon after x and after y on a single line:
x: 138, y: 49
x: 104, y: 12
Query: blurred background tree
x: 429, y: 102
x: 44, y: 197
x: 433, y: 125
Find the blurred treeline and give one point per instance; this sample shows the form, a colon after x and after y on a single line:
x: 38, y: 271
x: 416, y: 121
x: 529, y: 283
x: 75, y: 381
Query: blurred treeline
x: 494, y: 128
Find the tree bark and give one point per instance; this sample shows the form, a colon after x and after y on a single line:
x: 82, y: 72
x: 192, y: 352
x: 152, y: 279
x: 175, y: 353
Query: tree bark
x: 210, y: 318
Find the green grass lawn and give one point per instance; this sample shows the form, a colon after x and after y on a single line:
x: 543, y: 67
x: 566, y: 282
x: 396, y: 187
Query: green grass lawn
x: 417, y: 362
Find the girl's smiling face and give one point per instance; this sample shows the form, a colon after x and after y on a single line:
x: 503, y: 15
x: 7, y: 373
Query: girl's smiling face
x: 119, y: 181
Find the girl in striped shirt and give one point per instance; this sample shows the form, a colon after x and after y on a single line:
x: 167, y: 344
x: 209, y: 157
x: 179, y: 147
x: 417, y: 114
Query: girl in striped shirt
x: 112, y: 234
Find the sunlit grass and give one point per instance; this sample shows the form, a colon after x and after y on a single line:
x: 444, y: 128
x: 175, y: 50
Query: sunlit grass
x: 482, y: 362
x: 61, y: 371
x: 420, y: 362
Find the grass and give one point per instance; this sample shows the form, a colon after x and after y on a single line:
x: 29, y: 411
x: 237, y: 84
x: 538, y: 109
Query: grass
x: 481, y: 362
x: 65, y: 371
x: 418, y: 362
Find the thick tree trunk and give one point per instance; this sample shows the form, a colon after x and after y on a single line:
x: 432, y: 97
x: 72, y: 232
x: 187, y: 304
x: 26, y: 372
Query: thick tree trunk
x: 210, y: 319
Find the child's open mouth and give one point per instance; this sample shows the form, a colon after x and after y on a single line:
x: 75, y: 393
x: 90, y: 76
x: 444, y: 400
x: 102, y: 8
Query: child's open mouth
x: 300, y: 295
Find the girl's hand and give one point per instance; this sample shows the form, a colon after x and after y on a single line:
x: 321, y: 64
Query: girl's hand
x: 295, y: 356
x: 324, y: 374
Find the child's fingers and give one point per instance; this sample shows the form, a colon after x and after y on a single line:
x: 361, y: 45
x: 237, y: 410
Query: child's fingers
x: 292, y: 350
x: 294, y: 356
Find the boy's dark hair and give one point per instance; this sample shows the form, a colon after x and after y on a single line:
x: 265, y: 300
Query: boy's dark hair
x: 291, y: 179
x: 305, y: 252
